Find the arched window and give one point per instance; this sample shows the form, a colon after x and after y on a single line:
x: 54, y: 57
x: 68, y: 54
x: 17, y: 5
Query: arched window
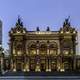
x: 19, y: 49
x: 32, y: 49
x: 32, y: 64
x: 43, y: 49
x: 54, y: 65
x: 66, y: 65
x: 66, y: 47
x: 53, y: 49
x: 66, y: 51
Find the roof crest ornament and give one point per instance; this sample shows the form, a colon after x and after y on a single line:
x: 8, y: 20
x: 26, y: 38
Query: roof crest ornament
x: 19, y: 22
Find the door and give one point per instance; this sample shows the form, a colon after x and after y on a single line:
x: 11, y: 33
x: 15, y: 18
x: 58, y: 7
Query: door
x: 42, y: 66
x: 53, y: 66
x: 32, y: 67
x: 19, y: 67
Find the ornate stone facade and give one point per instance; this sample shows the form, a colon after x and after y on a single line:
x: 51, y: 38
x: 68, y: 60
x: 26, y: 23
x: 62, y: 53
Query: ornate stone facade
x: 43, y: 51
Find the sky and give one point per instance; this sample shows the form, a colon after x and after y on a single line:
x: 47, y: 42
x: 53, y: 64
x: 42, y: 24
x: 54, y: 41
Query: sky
x: 40, y: 13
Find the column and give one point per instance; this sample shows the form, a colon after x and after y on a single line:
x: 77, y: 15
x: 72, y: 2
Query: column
x: 27, y: 51
x: 27, y: 65
x: 58, y: 47
x: 24, y: 65
x: 74, y: 63
x: 37, y: 51
x: 37, y: 69
x: 2, y: 65
x: 14, y: 66
x: 58, y: 63
x: 11, y: 63
x: 27, y: 60
x: 48, y: 51
x: 48, y: 61
x: 49, y: 65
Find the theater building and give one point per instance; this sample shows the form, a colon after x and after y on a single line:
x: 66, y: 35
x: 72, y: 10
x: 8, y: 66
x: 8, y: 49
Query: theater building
x: 43, y: 51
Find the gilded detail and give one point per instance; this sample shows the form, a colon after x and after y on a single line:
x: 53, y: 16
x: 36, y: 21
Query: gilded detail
x: 43, y: 51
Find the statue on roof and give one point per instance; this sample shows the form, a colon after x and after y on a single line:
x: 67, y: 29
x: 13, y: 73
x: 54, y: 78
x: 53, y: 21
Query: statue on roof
x: 19, y: 22
x: 18, y: 27
x: 37, y: 29
x: 48, y: 29
x: 66, y: 22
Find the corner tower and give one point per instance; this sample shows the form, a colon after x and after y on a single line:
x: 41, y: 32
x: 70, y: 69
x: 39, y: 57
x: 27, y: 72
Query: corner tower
x: 68, y: 45
x: 17, y: 39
